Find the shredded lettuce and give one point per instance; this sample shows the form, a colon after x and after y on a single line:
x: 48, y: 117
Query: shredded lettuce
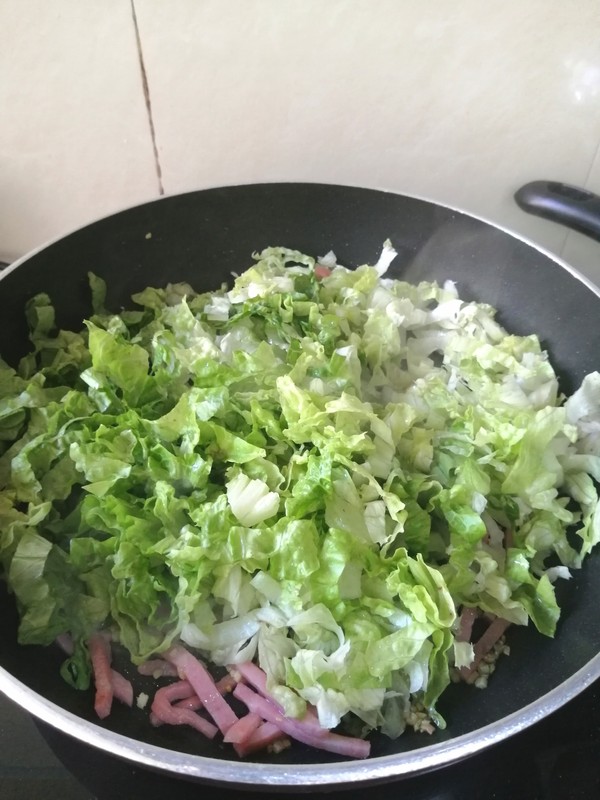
x: 316, y: 468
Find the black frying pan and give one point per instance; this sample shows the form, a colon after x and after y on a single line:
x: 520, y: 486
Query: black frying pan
x: 200, y: 238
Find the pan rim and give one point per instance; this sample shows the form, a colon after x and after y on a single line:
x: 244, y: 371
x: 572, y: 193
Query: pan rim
x: 381, y: 190
x: 341, y: 774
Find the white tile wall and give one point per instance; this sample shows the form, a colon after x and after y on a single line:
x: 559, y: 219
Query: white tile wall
x: 74, y: 139
x: 459, y: 102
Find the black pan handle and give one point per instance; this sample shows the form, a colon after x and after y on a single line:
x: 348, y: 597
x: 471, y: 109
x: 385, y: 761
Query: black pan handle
x: 576, y: 208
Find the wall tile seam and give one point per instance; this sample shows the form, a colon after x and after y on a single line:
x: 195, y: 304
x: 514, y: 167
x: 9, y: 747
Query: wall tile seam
x: 147, y: 99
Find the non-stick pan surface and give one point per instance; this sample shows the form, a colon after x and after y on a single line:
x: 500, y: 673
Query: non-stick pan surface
x: 203, y: 237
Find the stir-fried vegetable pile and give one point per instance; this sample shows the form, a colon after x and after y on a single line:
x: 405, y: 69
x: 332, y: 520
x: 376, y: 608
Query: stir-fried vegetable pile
x: 317, y: 470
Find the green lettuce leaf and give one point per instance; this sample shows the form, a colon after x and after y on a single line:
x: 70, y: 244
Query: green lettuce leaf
x: 312, y: 467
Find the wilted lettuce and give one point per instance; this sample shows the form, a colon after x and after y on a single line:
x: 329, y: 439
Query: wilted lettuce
x: 313, y: 470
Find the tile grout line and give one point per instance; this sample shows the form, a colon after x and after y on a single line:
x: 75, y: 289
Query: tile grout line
x: 146, y: 89
x: 584, y: 184
x: 592, y: 165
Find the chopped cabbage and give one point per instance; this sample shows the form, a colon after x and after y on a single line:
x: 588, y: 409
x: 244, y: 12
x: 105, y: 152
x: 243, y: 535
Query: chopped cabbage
x: 316, y: 468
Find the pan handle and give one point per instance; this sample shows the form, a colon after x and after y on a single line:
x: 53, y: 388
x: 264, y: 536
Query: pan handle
x: 576, y: 208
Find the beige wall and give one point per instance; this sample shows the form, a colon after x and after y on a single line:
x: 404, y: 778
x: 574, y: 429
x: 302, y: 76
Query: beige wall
x: 460, y: 102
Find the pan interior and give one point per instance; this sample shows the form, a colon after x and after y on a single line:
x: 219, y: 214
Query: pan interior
x: 202, y: 238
